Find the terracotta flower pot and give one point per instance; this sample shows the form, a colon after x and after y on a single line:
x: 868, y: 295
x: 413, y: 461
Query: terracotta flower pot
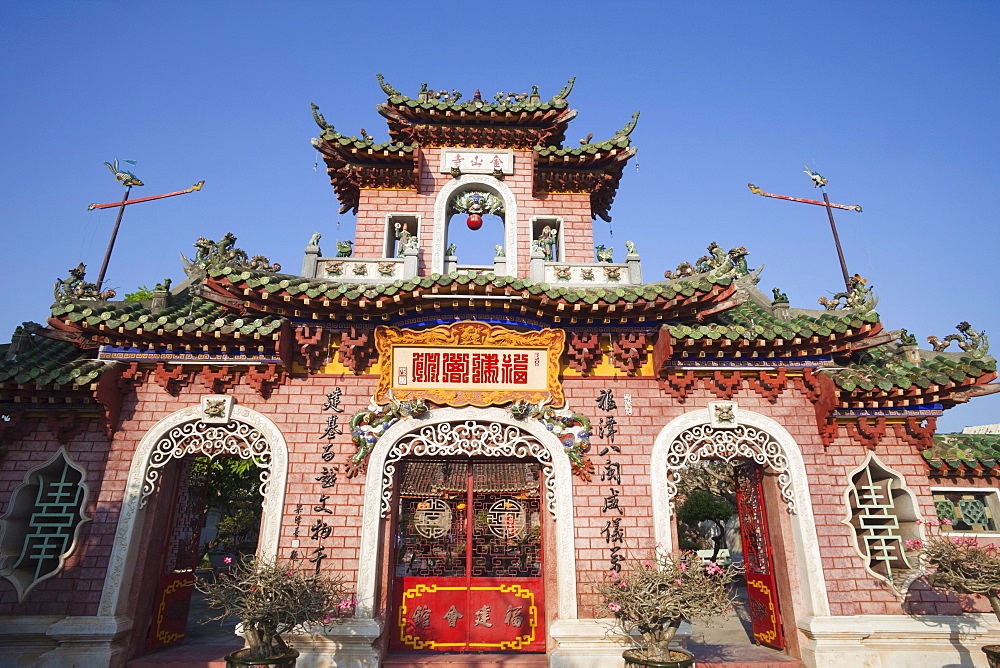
x: 992, y: 655
x: 680, y: 659
x: 238, y: 660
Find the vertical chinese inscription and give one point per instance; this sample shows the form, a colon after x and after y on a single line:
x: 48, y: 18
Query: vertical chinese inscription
x: 320, y: 530
x: 611, y: 473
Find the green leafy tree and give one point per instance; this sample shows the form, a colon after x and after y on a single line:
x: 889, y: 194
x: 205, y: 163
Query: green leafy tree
x: 702, y: 505
x: 141, y: 294
x: 234, y: 491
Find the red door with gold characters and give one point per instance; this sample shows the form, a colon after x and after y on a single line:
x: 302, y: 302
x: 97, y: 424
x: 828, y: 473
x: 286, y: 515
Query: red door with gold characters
x: 468, y: 562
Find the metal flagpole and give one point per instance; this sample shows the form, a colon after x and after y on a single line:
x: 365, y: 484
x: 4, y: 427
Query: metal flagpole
x: 128, y: 180
x: 820, y: 182
x: 111, y: 243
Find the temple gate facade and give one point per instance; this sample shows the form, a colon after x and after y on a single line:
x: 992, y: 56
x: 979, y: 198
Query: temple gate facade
x: 471, y: 445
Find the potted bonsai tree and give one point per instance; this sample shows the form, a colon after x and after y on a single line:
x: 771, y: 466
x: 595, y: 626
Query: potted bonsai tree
x: 650, y: 598
x: 270, y: 599
x: 963, y: 566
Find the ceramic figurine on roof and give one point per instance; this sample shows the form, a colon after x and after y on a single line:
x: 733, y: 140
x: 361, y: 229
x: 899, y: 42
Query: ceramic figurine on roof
x: 471, y: 442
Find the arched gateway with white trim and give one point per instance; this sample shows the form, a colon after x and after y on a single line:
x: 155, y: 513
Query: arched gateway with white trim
x: 467, y: 434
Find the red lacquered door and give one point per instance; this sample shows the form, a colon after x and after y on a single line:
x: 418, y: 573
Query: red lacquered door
x: 468, y: 557
x: 762, y: 594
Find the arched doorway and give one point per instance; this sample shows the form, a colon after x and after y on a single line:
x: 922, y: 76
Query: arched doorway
x: 762, y: 443
x: 212, y: 429
x: 469, y: 434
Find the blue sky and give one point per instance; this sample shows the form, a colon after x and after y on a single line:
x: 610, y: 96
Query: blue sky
x: 893, y: 102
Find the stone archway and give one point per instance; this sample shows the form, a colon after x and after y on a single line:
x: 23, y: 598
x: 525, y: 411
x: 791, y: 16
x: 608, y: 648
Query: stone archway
x: 495, y: 433
x: 687, y: 439
x: 245, y: 433
x: 442, y: 215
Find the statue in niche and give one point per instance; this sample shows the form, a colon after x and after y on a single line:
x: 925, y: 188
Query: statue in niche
x: 547, y: 242
x: 406, y: 239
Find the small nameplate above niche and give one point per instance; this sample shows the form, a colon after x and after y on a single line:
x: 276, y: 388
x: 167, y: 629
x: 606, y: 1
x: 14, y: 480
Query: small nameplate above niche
x: 471, y: 161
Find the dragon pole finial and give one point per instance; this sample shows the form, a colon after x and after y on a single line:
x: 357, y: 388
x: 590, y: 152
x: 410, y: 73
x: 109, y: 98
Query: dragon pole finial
x: 386, y: 88
x: 564, y: 93
x: 127, y: 178
x: 817, y: 179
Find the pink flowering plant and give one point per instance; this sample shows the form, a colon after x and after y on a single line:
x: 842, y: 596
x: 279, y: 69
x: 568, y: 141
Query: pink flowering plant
x: 961, y: 564
x: 273, y: 598
x: 651, y: 596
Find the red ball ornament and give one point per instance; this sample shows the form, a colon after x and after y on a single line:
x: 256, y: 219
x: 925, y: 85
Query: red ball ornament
x: 475, y: 221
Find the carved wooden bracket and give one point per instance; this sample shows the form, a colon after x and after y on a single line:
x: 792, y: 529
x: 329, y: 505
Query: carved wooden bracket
x: 65, y: 424
x: 822, y: 393
x: 678, y: 386
x: 767, y: 387
x: 870, y: 431
x: 265, y: 378
x: 219, y: 380
x: 723, y: 386
x: 583, y: 351
x: 663, y: 349
x: 913, y: 434
x: 112, y: 386
x: 172, y: 380
x: 628, y: 351
x: 312, y: 347
x: 357, y: 347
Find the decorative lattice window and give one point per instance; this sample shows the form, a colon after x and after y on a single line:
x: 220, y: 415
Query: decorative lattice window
x: 42, y: 524
x: 967, y: 510
x: 883, y: 514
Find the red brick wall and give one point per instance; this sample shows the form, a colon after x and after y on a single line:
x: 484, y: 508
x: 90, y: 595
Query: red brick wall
x: 77, y: 590
x: 296, y: 410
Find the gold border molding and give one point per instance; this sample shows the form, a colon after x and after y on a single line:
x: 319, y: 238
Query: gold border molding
x: 467, y: 334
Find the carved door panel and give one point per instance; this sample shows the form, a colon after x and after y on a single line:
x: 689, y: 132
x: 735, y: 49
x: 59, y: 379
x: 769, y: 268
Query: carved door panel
x: 468, y: 557
x: 762, y: 594
x: 173, y: 595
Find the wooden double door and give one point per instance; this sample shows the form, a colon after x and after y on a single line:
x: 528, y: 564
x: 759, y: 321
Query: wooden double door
x: 468, y: 557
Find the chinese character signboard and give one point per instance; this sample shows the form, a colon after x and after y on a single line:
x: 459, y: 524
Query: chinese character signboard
x: 448, y: 615
x: 470, y: 363
x: 477, y: 161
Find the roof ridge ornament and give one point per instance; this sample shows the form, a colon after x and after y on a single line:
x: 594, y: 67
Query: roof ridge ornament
x: 386, y: 88
x: 318, y: 117
x: 566, y: 90
x: 976, y: 344
x: 859, y: 298
x: 627, y: 130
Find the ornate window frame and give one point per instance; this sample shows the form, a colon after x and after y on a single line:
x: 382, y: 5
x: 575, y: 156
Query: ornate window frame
x: 875, y: 528
x: 17, y: 523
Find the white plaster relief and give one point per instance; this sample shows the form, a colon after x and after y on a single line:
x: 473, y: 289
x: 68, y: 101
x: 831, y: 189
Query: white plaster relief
x: 560, y: 477
x: 804, y: 540
x: 906, y: 524
x: 439, y: 236
x: 468, y: 438
x: 149, y: 455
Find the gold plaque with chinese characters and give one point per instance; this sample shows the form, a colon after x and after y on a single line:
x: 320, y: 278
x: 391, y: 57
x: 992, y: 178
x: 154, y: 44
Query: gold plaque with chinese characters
x: 470, y: 364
